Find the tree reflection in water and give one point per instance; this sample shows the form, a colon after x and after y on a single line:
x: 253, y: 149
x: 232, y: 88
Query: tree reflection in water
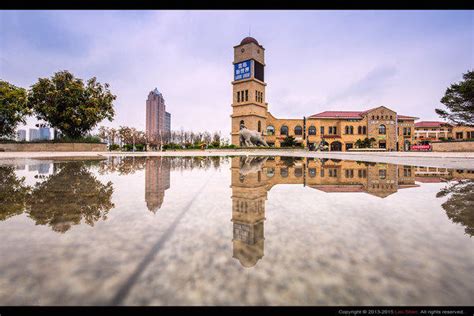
x: 460, y: 204
x: 69, y: 195
x: 129, y: 165
x: 72, y: 194
x: 13, y: 193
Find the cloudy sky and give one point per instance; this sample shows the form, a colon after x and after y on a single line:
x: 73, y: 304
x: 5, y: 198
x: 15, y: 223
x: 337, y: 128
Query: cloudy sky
x: 315, y: 60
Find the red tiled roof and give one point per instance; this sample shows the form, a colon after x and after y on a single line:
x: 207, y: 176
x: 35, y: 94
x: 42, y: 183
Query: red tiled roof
x: 351, y: 115
x: 406, y: 117
x: 431, y: 124
x: 329, y: 188
x: 338, y: 114
x: 428, y: 179
x: 407, y: 186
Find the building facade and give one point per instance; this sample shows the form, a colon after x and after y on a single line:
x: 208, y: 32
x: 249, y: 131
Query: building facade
x: 339, y: 130
x: 21, y: 135
x: 44, y: 133
x: 158, y: 121
x: 428, y: 131
x: 34, y: 134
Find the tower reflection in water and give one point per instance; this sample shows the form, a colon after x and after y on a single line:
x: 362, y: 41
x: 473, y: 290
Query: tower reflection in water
x: 157, y: 181
x: 253, y: 177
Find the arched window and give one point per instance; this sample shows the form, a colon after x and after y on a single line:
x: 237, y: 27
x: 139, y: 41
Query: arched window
x: 347, y: 129
x: 382, y: 129
x: 364, y: 130
x: 351, y: 130
x: 270, y: 130
x: 359, y: 130
x: 298, y: 172
x: 298, y: 130
x: 242, y: 124
x: 284, y: 130
x: 312, y: 130
x: 270, y: 172
x: 259, y: 128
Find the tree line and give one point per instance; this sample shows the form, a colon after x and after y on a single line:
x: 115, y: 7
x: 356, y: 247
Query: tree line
x: 129, y: 138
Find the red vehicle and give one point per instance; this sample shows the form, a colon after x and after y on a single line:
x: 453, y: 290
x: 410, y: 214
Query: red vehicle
x: 420, y: 147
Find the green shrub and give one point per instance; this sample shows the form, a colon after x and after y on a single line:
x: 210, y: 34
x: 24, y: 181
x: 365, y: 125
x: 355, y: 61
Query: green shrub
x: 289, y: 141
x: 127, y: 147
x: 114, y: 147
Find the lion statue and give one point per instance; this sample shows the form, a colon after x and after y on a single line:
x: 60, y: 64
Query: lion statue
x: 251, y: 138
x: 251, y: 164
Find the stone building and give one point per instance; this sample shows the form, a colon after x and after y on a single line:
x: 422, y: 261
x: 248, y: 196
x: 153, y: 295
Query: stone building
x: 158, y: 121
x: 338, y: 129
x: 428, y: 131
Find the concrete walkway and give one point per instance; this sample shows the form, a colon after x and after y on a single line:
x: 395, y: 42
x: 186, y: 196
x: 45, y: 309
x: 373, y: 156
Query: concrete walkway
x: 455, y: 160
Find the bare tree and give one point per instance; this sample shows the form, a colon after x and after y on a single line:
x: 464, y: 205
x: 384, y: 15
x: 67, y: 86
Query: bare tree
x: 216, y: 139
x: 206, y: 138
x: 103, y: 133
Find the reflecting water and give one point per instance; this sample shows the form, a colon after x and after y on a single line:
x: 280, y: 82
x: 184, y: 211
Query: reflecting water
x: 234, y: 231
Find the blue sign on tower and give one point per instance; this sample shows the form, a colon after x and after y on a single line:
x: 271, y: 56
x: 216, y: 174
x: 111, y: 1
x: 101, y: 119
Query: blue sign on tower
x: 243, y: 70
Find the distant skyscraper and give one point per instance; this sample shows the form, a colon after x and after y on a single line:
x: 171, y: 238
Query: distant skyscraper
x: 21, y: 135
x: 34, y: 134
x: 157, y: 119
x: 167, y: 121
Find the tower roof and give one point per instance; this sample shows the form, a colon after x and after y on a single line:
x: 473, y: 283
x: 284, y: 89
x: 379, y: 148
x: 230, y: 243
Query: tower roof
x: 155, y: 91
x: 248, y: 40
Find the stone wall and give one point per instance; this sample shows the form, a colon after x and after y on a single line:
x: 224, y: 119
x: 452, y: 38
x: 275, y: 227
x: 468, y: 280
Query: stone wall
x: 53, y: 147
x: 463, y: 146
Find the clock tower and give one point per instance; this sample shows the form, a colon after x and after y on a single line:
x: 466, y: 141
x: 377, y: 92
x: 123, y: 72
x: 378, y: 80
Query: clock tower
x: 248, y: 88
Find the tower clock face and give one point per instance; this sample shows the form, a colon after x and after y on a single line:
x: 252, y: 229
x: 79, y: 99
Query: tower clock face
x: 243, y: 70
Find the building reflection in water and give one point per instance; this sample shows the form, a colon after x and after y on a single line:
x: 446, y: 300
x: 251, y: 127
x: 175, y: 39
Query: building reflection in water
x: 157, y: 172
x: 68, y: 193
x: 249, y: 193
x: 157, y: 181
x: 253, y: 177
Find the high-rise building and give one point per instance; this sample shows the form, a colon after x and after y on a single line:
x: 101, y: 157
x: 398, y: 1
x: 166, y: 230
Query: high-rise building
x: 21, y: 135
x: 167, y: 121
x: 158, y: 121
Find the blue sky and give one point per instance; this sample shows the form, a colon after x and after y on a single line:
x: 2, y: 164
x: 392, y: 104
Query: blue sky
x: 315, y: 60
